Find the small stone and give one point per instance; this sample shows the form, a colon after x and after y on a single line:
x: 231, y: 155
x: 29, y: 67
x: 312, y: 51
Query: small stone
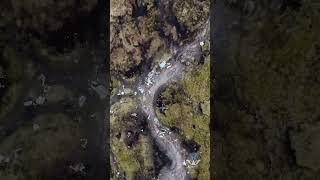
x: 35, y: 127
x: 129, y: 133
x: 7, y: 159
x: 205, y: 106
x: 84, y: 143
x: 42, y: 78
x: 162, y: 64
x: 101, y: 91
x: 127, y: 91
x: 140, y: 89
x: 4, y: 159
x: 94, y: 83
x: 40, y: 100
x: 28, y: 103
x: 201, y: 43
x: 78, y: 167
x: 82, y: 100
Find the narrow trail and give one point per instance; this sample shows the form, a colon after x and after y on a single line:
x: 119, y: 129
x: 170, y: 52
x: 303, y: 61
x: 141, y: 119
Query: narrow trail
x: 149, y: 87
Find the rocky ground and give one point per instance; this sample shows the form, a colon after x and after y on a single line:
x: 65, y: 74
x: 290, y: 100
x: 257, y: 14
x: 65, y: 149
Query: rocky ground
x: 267, y: 72
x: 266, y: 107
x: 52, y: 90
x: 143, y: 37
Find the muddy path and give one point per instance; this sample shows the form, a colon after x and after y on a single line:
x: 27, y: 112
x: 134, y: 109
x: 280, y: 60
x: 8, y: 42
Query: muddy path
x: 148, y: 87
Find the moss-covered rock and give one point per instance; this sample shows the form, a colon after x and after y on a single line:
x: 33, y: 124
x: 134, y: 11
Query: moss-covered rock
x: 191, y: 14
x: 197, y: 82
x: 131, y: 147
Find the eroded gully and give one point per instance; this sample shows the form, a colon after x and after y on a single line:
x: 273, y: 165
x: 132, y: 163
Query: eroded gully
x: 149, y: 87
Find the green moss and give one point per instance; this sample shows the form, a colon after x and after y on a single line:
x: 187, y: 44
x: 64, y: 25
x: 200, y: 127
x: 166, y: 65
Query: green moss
x: 126, y: 158
x: 113, y: 85
x: 192, y: 14
x: 161, y: 56
x: 183, y: 112
x: 197, y: 82
x: 120, y: 109
x: 136, y: 159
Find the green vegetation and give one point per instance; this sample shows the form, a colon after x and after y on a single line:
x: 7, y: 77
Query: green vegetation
x: 136, y: 160
x: 188, y: 109
x: 127, y: 158
x: 133, y: 159
x: 197, y: 82
x: 141, y: 34
x: 191, y: 13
